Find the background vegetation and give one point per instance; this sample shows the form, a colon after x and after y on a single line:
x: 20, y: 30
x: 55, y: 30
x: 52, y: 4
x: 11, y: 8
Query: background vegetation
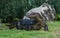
x: 11, y: 9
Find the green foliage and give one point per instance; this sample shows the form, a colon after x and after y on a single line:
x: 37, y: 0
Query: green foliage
x: 18, y: 8
x: 58, y: 17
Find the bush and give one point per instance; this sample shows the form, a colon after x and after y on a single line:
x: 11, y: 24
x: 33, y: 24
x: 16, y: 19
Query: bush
x: 58, y: 17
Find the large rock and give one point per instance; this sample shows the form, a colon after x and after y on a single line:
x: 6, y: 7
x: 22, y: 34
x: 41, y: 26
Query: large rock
x: 46, y: 11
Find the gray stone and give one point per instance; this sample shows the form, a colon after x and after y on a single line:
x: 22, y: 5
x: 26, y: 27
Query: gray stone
x: 46, y: 11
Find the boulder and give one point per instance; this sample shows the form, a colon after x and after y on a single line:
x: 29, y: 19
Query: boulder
x: 46, y: 11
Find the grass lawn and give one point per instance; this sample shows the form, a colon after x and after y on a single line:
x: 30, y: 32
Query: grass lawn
x: 54, y: 32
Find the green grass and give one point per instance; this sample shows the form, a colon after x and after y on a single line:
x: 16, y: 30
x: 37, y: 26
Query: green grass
x: 54, y: 32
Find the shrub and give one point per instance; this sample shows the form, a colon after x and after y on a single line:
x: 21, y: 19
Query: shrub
x: 58, y: 17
